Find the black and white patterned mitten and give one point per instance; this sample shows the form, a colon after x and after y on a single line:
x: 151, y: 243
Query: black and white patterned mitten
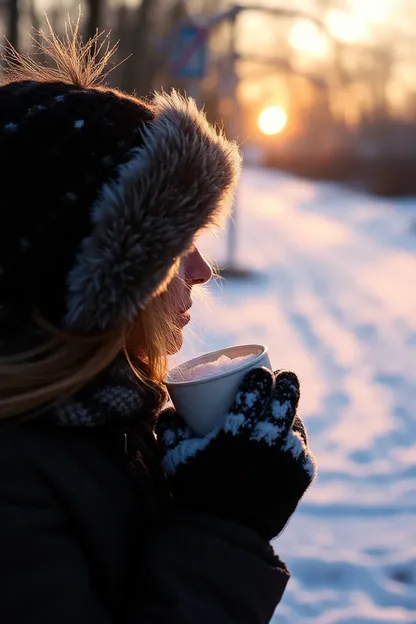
x: 253, y: 469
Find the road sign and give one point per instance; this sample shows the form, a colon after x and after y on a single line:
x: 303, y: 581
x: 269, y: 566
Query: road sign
x: 189, y: 52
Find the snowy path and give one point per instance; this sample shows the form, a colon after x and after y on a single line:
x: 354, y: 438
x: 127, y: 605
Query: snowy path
x: 335, y: 300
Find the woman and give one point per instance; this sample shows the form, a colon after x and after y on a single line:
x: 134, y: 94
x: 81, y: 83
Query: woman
x: 111, y: 512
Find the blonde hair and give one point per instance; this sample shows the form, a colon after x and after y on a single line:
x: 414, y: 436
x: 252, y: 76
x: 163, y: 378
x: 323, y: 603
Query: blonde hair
x: 67, y: 361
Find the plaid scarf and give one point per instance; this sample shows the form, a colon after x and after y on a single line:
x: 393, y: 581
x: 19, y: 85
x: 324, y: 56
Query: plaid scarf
x: 115, y: 397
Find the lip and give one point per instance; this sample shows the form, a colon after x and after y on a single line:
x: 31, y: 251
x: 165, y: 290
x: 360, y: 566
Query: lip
x: 185, y: 310
x: 184, y: 318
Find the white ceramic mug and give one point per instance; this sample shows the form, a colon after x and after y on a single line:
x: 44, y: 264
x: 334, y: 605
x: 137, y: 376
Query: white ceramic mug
x: 203, y: 403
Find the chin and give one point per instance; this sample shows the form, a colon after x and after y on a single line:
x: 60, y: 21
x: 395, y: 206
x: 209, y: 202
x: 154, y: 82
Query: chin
x: 175, y: 344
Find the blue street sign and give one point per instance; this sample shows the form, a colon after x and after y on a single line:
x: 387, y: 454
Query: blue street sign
x: 189, y: 52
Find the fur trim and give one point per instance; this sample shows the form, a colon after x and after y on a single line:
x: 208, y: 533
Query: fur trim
x: 175, y: 184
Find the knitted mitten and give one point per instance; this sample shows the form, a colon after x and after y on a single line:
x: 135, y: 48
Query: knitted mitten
x: 253, y: 469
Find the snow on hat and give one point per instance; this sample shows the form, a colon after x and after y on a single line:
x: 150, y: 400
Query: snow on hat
x: 100, y: 193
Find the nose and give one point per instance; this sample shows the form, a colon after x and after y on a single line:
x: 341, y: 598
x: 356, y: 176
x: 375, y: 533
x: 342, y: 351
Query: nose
x: 197, y: 269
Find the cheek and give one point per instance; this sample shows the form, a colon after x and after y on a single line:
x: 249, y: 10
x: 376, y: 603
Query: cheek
x: 176, y: 290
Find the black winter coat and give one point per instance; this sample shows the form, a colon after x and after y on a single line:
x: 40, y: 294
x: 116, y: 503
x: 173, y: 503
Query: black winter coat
x: 86, y: 538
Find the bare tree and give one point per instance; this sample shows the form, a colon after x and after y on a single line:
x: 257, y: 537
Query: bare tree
x: 33, y: 15
x: 204, y: 7
x: 137, y: 40
x: 95, y: 17
x: 13, y: 23
x: 146, y: 33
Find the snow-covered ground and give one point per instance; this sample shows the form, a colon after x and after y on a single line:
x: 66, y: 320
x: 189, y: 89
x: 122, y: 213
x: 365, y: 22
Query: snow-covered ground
x: 334, y: 298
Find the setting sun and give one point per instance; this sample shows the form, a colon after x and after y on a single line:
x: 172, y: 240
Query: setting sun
x: 272, y: 120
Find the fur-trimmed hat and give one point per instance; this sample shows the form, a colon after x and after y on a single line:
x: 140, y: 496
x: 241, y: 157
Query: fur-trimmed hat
x: 100, y: 193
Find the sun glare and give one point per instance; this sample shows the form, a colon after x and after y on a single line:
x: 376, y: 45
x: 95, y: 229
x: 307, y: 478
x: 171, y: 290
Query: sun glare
x: 350, y: 27
x: 346, y: 27
x: 306, y: 37
x: 355, y: 25
x: 373, y: 10
x: 272, y: 120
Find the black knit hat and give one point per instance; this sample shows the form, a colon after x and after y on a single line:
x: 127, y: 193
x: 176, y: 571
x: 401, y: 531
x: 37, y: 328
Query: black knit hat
x: 100, y: 193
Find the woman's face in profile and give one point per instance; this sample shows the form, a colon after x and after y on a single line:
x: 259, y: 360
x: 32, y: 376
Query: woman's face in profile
x: 193, y: 270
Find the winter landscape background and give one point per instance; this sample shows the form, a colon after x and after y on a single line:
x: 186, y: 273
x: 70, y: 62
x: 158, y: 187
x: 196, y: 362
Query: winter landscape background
x: 333, y: 295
